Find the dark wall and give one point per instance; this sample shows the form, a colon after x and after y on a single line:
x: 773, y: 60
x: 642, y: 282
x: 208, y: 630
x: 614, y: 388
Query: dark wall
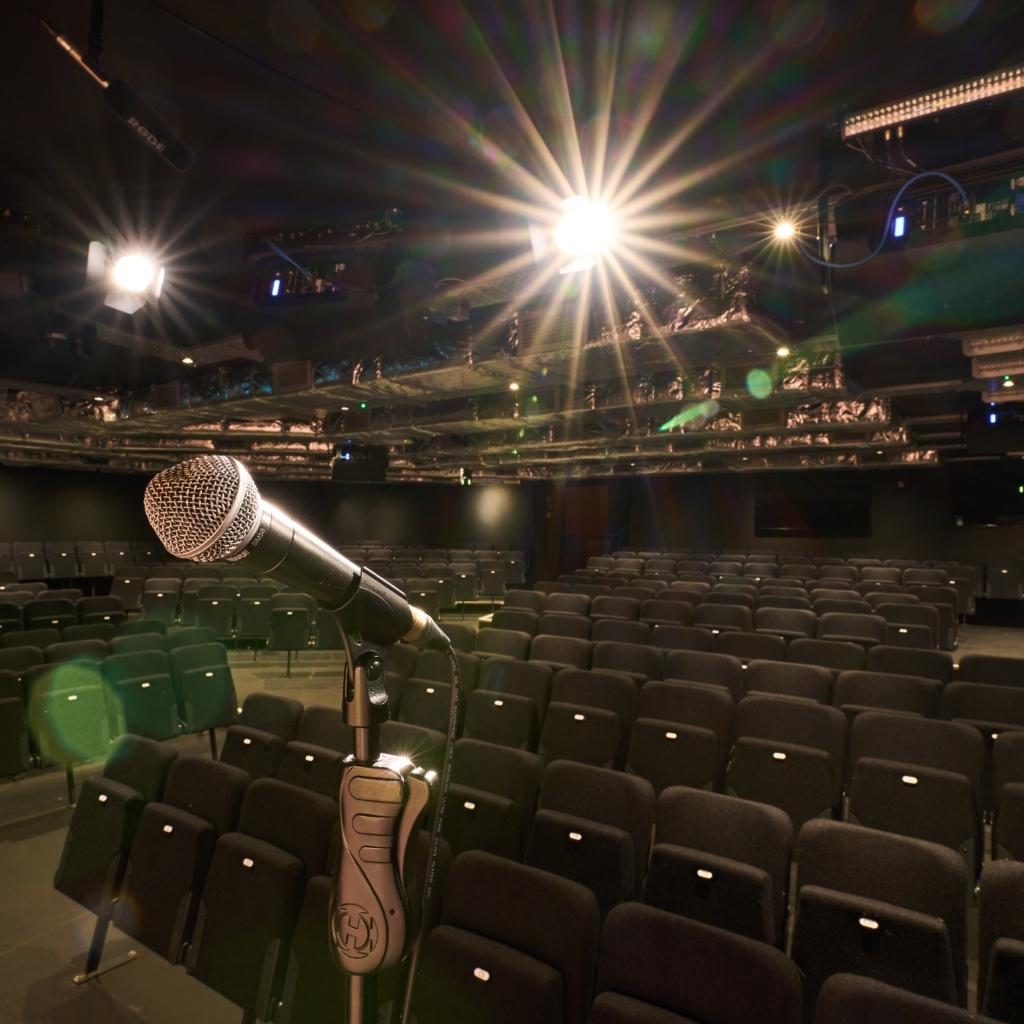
x: 911, y: 515
x: 48, y: 504
x: 51, y: 504
x: 437, y: 515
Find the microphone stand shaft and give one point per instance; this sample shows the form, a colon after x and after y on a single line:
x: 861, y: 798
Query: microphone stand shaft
x: 362, y: 989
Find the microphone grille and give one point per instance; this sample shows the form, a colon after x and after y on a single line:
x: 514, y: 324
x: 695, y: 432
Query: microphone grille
x: 204, y: 509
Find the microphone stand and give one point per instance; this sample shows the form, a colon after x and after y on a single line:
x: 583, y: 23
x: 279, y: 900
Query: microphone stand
x: 382, y: 803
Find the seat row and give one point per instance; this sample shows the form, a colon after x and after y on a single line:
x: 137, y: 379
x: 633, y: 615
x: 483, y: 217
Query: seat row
x: 229, y: 875
x: 717, y: 727
x: 63, y: 704
x: 775, y: 592
x: 628, y: 619
x: 65, y: 559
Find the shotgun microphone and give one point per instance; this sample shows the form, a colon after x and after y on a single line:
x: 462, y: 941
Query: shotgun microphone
x: 208, y: 509
x: 129, y: 106
x: 150, y: 128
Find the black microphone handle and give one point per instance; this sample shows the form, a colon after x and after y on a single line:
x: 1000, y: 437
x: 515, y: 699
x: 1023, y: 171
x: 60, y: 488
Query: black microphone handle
x: 365, y: 603
x: 147, y: 124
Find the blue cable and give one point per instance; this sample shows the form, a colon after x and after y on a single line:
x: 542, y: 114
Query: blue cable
x: 888, y: 222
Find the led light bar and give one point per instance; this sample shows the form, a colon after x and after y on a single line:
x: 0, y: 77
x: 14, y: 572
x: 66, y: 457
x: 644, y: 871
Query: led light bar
x: 988, y: 343
x: 962, y: 94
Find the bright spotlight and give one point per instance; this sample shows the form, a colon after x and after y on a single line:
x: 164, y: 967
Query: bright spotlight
x: 132, y: 277
x: 784, y: 231
x: 782, y: 351
x: 133, y: 272
x: 585, y: 232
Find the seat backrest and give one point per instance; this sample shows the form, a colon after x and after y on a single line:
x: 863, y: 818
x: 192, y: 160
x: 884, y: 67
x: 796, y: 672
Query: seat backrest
x: 77, y: 650
x: 910, y: 873
x: 626, y: 657
x: 615, y: 607
x: 790, y: 679
x: 595, y: 689
x: 561, y: 649
x: 833, y: 654
x: 682, y: 638
x: 982, y: 702
x: 951, y: 746
x: 211, y: 790
x: 715, y: 615
x: 911, y: 661
x: 706, y: 667
x: 325, y: 727
x: 271, y: 713
x: 853, y: 999
x: 197, y: 656
x: 786, y: 619
x: 851, y: 624
x: 991, y: 668
x: 664, y: 966
x: 535, y: 913
x: 574, y: 604
x: 605, y: 796
x: 513, y: 774
x: 532, y: 600
x: 510, y: 643
x: 140, y: 763
x: 792, y: 720
x: 292, y: 819
x: 886, y: 690
x: 726, y: 826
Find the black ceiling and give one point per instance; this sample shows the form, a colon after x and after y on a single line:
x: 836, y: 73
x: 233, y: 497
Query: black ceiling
x: 304, y: 112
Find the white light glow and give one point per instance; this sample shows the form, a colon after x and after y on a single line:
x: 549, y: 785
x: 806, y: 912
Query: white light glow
x: 134, y: 272
x: 961, y: 94
x: 585, y: 233
x: 785, y: 230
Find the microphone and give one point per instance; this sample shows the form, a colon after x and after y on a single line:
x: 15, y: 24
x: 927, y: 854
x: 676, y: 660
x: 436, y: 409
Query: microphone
x: 208, y: 509
x: 124, y: 101
x: 147, y: 124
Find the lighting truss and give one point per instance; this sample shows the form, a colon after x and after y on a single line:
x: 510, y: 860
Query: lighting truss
x: 935, y: 101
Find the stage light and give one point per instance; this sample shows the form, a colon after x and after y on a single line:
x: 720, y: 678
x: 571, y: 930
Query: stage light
x: 187, y: 361
x: 784, y: 231
x: 133, y: 272
x: 782, y: 351
x: 98, y: 398
x: 1007, y: 382
x: 513, y: 386
x: 585, y: 232
x: 926, y: 104
x: 132, y: 277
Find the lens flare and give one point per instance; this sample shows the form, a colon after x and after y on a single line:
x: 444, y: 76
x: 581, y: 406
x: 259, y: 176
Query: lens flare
x: 133, y: 272
x: 785, y: 231
x: 585, y: 232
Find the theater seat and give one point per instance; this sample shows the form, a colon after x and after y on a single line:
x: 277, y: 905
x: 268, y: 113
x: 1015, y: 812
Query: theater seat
x: 514, y: 944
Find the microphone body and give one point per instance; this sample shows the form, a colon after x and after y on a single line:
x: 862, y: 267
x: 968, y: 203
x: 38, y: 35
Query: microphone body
x: 365, y: 602
x: 208, y: 508
x: 147, y: 124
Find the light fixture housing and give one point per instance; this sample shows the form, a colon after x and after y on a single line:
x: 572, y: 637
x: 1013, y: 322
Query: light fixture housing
x: 585, y: 230
x: 133, y: 277
x: 935, y: 101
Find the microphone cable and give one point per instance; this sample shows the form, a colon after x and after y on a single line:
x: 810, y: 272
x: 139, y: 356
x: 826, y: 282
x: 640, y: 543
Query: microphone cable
x: 427, y: 899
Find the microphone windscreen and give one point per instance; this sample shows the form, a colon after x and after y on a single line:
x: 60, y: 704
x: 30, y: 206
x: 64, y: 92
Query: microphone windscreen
x: 203, y: 509
x: 147, y: 125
